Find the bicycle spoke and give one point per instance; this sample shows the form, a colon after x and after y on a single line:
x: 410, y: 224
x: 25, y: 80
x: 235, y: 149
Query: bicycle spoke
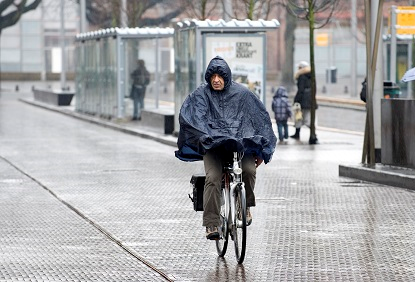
x: 222, y: 243
x: 239, y: 228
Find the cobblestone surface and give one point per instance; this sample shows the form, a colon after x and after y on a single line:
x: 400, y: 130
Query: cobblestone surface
x: 80, y: 202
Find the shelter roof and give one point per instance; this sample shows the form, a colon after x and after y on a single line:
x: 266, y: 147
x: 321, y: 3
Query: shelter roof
x: 230, y: 26
x: 399, y: 37
x: 128, y: 32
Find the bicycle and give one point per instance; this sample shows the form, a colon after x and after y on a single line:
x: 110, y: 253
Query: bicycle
x: 233, y: 210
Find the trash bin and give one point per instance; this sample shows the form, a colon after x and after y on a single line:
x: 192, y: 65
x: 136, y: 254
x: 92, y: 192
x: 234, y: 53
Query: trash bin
x: 331, y: 75
x: 391, y: 90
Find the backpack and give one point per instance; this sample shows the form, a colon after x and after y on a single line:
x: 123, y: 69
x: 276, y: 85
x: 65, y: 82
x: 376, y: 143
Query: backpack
x: 363, y: 91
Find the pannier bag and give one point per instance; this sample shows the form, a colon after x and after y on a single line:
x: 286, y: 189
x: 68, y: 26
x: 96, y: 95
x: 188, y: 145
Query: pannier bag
x: 198, y: 185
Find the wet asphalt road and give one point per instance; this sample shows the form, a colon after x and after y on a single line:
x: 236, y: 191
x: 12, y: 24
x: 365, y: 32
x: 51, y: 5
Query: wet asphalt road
x: 79, y: 202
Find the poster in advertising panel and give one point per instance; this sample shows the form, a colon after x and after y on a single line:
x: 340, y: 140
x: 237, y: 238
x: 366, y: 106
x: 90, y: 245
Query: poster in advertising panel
x: 245, y: 56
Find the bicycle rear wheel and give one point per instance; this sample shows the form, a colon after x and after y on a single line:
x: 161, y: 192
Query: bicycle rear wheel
x: 222, y: 242
x: 239, y: 227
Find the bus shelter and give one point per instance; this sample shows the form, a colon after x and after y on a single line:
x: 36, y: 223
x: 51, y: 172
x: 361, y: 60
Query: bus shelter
x: 241, y: 43
x: 399, y: 42
x: 105, y: 60
x: 398, y: 64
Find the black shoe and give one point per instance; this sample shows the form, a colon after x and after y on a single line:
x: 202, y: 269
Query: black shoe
x: 297, y: 134
x: 313, y: 141
x: 248, y: 217
x: 212, y: 233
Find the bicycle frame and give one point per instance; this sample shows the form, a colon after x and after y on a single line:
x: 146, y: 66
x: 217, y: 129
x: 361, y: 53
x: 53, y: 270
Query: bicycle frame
x: 232, y: 180
x: 236, y: 182
x: 233, y: 187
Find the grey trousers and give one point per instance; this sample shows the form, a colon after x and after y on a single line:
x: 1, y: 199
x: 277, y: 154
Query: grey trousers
x: 211, y: 194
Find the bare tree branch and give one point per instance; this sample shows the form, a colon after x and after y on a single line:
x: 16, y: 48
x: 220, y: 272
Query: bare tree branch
x: 200, y: 9
x: 106, y: 13
x: 13, y: 17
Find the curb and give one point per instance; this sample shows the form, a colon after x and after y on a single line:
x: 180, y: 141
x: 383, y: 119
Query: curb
x: 341, y: 103
x: 381, y: 174
x: 165, y: 139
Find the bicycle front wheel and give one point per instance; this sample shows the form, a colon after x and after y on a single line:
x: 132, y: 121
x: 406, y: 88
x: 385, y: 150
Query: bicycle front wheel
x: 222, y: 242
x: 239, y: 226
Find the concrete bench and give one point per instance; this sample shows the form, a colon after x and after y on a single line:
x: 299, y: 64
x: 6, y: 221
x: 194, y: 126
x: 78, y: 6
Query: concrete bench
x: 53, y: 97
x: 161, y: 120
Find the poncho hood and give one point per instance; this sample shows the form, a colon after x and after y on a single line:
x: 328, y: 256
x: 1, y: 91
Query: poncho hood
x: 219, y: 66
x: 233, y: 118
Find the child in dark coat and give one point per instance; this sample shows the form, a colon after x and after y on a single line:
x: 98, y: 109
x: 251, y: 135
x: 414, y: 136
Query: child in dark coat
x: 282, y: 110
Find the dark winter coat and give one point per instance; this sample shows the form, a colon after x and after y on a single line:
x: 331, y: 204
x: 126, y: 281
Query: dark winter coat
x: 233, y: 118
x: 280, y: 105
x: 303, y: 96
x: 140, y: 76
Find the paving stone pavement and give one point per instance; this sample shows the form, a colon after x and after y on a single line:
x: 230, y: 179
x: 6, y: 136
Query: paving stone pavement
x: 81, y: 202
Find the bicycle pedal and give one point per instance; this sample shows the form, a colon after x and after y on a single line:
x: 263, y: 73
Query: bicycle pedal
x: 232, y: 235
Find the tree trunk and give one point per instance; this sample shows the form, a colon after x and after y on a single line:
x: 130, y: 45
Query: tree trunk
x: 313, y: 71
x: 288, y: 70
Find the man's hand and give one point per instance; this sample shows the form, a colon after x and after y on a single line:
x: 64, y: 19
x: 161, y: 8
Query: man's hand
x: 258, y: 161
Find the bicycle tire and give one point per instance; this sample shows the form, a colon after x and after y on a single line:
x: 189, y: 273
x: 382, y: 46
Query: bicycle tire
x: 222, y: 242
x: 239, y: 226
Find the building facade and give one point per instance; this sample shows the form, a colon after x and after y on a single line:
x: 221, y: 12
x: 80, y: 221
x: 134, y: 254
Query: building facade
x: 31, y: 48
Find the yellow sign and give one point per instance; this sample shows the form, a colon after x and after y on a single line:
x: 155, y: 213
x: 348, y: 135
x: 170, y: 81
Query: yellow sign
x: 405, y: 20
x: 322, y: 39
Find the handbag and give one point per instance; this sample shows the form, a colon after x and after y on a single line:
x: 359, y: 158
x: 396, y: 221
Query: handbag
x: 298, y: 114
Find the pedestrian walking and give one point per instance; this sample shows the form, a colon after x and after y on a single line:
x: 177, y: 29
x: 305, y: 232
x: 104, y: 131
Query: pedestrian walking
x: 282, y: 111
x: 303, y: 97
x: 141, y: 78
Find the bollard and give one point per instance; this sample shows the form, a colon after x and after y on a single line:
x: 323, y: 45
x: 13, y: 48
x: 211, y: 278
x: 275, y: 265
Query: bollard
x: 346, y: 90
x: 324, y: 90
x: 17, y: 88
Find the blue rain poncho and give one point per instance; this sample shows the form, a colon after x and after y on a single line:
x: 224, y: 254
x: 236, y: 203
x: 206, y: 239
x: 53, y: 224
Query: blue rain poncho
x: 233, y: 119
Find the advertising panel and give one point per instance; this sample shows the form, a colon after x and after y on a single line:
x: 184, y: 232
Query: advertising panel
x: 245, y: 55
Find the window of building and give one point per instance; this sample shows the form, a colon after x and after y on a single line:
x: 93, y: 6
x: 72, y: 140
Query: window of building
x: 30, y: 27
x: 31, y: 42
x: 9, y: 56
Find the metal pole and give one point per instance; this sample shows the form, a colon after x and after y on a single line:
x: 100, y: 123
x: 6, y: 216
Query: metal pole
x: 392, y: 75
x: 83, y: 15
x: 198, y: 67
x: 157, y: 72
x: 329, y: 46
x: 377, y: 93
x: 63, y: 57
x: 120, y: 78
x: 410, y: 66
x: 353, y: 90
x: 42, y: 35
x: 368, y: 144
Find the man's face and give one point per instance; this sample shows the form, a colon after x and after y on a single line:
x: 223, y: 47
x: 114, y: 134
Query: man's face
x: 217, y: 82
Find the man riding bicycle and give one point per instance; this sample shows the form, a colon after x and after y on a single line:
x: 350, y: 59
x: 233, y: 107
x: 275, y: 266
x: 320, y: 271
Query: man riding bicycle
x: 222, y: 116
